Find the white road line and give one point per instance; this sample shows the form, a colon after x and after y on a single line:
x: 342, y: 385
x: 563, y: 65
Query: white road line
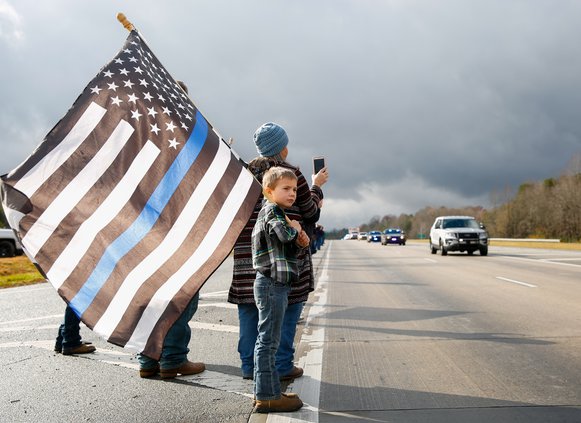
x: 211, y: 379
x: 308, y: 387
x: 219, y: 305
x: 545, y: 261
x: 559, y: 260
x: 213, y: 294
x: 564, y: 259
x: 20, y: 290
x: 9, y: 322
x: 24, y: 328
x: 215, y: 327
x: 431, y: 260
x: 517, y: 282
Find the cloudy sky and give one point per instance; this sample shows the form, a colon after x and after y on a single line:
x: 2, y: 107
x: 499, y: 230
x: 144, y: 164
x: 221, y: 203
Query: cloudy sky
x: 413, y: 103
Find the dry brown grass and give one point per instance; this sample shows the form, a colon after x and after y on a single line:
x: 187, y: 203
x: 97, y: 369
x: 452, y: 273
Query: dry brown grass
x: 544, y: 245
x: 18, y: 271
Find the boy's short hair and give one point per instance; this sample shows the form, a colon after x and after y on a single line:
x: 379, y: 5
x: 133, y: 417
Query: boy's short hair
x: 275, y: 174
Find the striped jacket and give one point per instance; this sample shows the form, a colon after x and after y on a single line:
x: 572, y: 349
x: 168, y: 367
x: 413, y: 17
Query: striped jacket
x: 274, y: 251
x: 305, y: 210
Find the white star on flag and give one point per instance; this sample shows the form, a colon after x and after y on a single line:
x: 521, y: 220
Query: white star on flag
x: 173, y: 143
x: 169, y: 126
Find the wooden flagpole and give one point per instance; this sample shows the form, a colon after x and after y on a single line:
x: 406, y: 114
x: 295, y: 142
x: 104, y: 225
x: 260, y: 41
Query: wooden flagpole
x: 128, y: 25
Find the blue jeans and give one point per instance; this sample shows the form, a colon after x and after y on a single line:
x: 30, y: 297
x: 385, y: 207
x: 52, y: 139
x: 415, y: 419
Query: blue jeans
x: 271, y: 299
x: 248, y: 317
x: 175, y: 345
x: 69, y: 333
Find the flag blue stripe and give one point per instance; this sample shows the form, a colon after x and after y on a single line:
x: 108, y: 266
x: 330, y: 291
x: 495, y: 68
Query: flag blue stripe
x: 146, y: 219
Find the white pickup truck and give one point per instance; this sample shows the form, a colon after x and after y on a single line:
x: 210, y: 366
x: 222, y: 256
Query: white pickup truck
x: 9, y: 244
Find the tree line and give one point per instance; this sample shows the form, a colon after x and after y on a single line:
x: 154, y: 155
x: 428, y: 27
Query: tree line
x: 545, y: 209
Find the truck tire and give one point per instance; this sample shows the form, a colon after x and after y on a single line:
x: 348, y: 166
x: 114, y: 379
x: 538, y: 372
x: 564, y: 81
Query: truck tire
x: 443, y: 250
x: 433, y: 249
x: 484, y: 251
x: 6, y: 249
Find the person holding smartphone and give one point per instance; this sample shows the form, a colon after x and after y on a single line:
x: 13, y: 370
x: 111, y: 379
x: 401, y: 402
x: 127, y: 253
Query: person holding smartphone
x: 318, y: 164
x: 271, y: 142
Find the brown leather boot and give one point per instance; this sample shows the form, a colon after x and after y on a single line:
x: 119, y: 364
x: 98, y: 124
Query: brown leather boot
x: 294, y: 373
x: 149, y: 372
x: 188, y: 368
x: 79, y: 349
x: 286, y: 403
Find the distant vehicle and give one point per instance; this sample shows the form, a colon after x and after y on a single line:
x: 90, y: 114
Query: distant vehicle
x: 393, y: 236
x: 362, y: 236
x: 9, y: 244
x: 374, y: 236
x: 458, y: 233
x: 351, y: 235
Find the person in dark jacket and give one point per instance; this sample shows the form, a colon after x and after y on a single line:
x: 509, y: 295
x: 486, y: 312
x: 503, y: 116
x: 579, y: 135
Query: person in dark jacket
x: 271, y: 143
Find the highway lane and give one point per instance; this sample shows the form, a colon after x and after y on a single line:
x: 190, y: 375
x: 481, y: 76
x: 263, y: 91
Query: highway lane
x: 400, y: 335
x: 391, y: 334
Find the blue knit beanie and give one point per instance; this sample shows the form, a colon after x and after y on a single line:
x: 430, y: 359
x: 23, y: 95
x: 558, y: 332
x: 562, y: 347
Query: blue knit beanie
x: 270, y: 139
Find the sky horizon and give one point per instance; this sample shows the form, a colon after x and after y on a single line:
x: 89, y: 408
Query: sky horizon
x: 413, y: 103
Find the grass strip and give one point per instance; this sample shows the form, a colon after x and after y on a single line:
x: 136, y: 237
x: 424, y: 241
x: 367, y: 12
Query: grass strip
x: 18, y: 271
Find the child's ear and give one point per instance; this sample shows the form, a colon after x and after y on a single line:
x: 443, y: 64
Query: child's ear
x: 267, y: 192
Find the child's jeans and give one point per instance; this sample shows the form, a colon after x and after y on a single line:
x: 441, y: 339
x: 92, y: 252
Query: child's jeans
x: 271, y: 299
x: 248, y: 317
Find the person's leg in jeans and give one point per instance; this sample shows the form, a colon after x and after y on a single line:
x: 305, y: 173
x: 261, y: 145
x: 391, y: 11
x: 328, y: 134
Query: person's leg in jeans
x: 175, y: 345
x: 286, y: 351
x: 248, y: 317
x: 68, y: 340
x: 70, y: 330
x: 58, y: 345
x: 271, y: 300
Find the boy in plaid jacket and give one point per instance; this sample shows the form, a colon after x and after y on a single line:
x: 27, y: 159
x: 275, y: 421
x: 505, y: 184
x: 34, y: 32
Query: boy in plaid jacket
x: 276, y: 241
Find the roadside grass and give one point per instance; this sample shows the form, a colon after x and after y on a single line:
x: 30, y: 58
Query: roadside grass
x: 18, y: 271
x: 544, y: 245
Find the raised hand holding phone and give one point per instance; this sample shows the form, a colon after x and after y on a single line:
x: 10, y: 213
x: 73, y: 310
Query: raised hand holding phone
x: 318, y: 164
x: 320, y: 173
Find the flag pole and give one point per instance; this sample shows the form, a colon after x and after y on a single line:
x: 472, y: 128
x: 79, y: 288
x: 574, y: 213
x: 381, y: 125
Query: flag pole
x: 123, y: 19
x: 129, y: 27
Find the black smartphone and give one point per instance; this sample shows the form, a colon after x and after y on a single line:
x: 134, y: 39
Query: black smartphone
x: 318, y: 164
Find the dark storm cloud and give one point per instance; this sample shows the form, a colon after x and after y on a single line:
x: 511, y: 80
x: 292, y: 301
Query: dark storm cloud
x: 414, y: 103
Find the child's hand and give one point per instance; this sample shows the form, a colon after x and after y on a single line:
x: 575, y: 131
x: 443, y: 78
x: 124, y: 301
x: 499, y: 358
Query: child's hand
x: 303, y: 239
x: 295, y: 224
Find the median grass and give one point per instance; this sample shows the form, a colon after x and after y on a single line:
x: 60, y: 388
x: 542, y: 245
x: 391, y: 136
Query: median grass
x: 18, y: 271
x: 544, y: 245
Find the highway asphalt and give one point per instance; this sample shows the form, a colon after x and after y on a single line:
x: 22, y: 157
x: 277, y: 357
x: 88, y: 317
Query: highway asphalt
x: 391, y: 334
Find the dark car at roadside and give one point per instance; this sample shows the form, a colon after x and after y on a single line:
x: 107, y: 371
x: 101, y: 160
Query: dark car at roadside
x: 374, y: 236
x: 393, y: 236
